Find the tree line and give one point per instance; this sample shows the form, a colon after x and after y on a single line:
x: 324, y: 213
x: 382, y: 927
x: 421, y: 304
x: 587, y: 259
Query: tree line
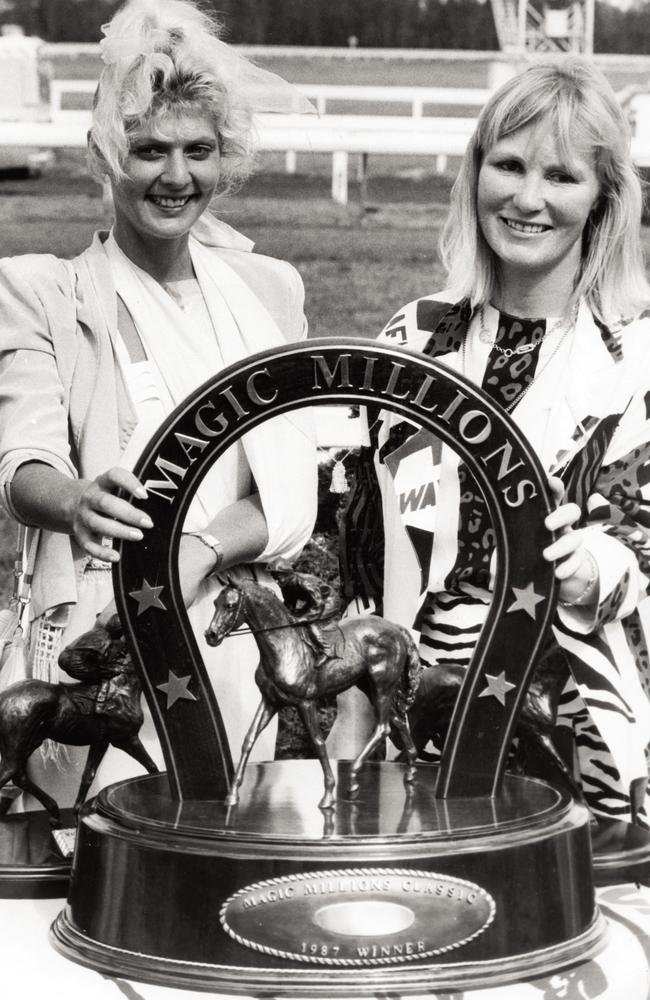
x: 431, y: 24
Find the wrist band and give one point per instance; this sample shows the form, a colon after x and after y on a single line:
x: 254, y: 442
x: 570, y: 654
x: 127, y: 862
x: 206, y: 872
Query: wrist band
x: 583, y: 597
x: 212, y: 543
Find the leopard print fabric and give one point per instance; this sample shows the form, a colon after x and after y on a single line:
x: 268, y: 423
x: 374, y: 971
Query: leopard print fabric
x: 636, y: 638
x: 505, y: 380
x: 608, y: 609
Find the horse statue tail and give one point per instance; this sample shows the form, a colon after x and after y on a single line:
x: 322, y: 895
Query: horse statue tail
x: 410, y: 680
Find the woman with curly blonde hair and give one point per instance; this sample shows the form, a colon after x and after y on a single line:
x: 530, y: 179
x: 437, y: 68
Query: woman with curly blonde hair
x: 99, y: 350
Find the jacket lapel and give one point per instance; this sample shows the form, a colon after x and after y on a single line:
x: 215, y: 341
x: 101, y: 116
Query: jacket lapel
x: 560, y: 424
x: 101, y: 413
x: 586, y: 393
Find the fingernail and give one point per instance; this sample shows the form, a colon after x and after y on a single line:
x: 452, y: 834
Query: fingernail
x: 135, y: 534
x: 141, y: 493
x: 146, y: 522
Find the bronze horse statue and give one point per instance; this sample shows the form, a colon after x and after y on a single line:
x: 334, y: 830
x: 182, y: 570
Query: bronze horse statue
x: 534, y: 750
x: 374, y: 654
x: 102, y: 709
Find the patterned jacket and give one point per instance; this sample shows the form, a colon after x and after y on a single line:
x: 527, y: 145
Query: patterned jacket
x: 414, y: 508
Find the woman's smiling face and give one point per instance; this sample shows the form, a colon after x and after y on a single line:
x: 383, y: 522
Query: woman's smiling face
x: 533, y: 205
x: 172, y: 169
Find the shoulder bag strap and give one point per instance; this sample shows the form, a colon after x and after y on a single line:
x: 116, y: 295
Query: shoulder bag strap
x: 26, y: 546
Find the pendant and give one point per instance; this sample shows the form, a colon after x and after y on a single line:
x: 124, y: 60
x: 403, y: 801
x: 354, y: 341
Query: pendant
x: 520, y: 349
x: 339, y: 483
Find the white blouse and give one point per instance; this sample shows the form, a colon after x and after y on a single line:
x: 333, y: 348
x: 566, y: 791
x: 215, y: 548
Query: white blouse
x: 230, y: 476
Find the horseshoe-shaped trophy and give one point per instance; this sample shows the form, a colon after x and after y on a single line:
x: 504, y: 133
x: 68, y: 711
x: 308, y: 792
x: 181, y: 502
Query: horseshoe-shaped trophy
x: 474, y: 877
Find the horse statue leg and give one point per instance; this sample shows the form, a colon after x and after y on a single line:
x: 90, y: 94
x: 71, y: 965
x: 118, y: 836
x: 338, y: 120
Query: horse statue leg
x: 131, y: 746
x: 308, y: 715
x: 401, y: 723
x: 48, y: 803
x: 7, y: 771
x: 379, y: 734
x: 95, y: 756
x: 134, y: 748
x: 381, y: 700
x: 263, y: 716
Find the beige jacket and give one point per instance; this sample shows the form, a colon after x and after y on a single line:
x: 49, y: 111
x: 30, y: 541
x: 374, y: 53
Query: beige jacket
x: 62, y: 397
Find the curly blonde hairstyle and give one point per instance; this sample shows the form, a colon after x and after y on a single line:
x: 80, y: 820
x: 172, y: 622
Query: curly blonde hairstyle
x: 576, y: 100
x: 165, y: 58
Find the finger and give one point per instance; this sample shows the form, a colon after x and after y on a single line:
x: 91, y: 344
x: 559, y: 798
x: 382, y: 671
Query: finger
x: 563, y: 546
x: 557, y: 488
x: 569, y: 567
x: 118, y: 478
x: 104, y: 527
x: 120, y: 510
x: 98, y: 551
x: 563, y: 517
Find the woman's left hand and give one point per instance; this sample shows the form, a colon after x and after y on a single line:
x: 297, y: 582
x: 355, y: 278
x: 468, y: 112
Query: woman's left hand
x: 575, y: 566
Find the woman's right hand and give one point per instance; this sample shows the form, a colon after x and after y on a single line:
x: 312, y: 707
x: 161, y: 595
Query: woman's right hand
x: 575, y: 567
x: 98, y: 516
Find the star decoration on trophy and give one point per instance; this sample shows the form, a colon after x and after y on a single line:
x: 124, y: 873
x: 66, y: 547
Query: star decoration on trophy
x: 525, y: 600
x: 175, y: 688
x: 497, y: 687
x: 148, y: 597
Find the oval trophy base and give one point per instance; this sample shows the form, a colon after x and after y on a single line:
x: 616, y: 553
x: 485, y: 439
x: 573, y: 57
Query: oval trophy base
x: 396, y: 890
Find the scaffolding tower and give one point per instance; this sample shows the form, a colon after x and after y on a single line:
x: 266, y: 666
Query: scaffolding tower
x: 554, y: 26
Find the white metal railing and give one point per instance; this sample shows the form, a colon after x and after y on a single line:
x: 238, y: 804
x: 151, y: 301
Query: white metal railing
x: 339, y: 136
x: 58, y: 88
x: 417, y: 97
x: 321, y: 94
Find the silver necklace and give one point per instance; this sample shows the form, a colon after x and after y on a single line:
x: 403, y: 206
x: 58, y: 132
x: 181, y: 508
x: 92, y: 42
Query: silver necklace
x: 567, y: 327
x: 486, y: 338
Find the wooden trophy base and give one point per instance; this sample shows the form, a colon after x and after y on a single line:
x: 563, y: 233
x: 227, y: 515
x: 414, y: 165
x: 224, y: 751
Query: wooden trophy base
x: 396, y: 891
x: 31, y: 865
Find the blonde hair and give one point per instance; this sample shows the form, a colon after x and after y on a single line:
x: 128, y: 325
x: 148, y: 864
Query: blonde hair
x: 162, y: 58
x: 585, y: 116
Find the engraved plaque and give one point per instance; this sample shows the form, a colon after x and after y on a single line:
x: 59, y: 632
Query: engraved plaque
x: 358, y: 916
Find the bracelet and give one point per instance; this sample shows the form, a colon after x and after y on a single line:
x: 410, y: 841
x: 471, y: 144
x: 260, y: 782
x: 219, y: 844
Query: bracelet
x: 589, y: 586
x: 212, y: 543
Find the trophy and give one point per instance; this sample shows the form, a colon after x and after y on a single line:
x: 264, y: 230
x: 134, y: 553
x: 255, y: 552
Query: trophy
x: 356, y: 877
x: 103, y: 708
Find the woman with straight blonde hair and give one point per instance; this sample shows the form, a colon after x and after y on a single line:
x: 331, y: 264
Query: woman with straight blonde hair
x: 573, y: 101
x: 547, y: 311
